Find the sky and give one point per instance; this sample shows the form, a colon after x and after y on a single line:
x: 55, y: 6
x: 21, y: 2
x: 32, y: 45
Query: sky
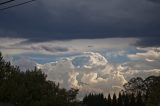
x: 92, y: 45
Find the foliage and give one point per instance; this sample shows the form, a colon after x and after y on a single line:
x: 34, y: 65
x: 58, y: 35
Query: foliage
x: 149, y: 89
x: 122, y: 100
x: 30, y: 88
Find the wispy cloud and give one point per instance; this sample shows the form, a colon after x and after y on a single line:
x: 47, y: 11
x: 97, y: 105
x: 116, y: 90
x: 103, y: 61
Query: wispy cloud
x: 19, y: 46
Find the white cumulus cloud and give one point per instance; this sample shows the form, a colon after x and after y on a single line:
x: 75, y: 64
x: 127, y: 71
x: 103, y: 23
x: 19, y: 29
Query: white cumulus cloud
x: 88, y: 72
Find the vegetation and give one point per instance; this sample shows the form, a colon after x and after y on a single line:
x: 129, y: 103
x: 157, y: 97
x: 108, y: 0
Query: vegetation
x: 137, y: 92
x: 30, y: 88
x: 122, y: 100
x: 149, y: 88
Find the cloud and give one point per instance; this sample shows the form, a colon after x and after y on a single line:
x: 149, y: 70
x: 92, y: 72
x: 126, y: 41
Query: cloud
x: 14, y: 46
x: 19, y: 46
x: 149, y: 54
x: 87, y: 74
x: 83, y: 67
x: 130, y: 70
x: 143, y: 63
x: 73, y: 82
x: 6, y: 41
x: 149, y: 42
x: 116, y: 53
x: 22, y: 62
x: 54, y: 49
x: 81, y: 19
x: 91, y: 72
x: 155, y: 1
x: 90, y: 60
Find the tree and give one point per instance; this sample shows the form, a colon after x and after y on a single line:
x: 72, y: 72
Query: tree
x: 114, y: 100
x: 139, y: 100
x: 132, y: 100
x: 109, y: 100
x: 120, y: 101
x: 135, y: 85
x: 149, y: 89
x: 30, y: 88
x: 94, y: 100
x: 154, y: 91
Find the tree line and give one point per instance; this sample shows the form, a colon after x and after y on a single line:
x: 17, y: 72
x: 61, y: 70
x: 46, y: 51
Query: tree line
x: 121, y: 100
x: 137, y: 92
x: 30, y: 88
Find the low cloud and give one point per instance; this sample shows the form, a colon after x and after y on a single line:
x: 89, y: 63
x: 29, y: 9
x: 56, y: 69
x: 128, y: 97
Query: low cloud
x: 22, y: 62
x: 14, y: 46
x: 148, y: 54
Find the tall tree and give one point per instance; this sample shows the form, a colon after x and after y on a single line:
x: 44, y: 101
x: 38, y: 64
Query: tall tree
x: 135, y: 85
x: 126, y: 100
x: 120, y: 101
x: 139, y: 100
x: 94, y: 100
x: 154, y: 92
x: 109, y: 100
x: 132, y: 100
x: 114, y: 100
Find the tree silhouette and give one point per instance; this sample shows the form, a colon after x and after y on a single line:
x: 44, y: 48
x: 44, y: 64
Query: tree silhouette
x: 120, y: 101
x: 30, y: 88
x: 153, y: 97
x: 132, y: 100
x: 109, y: 100
x: 94, y: 100
x: 146, y: 91
x: 135, y: 85
x: 114, y: 100
x: 139, y: 101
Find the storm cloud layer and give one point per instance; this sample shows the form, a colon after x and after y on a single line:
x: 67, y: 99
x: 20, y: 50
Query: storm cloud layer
x: 45, y: 20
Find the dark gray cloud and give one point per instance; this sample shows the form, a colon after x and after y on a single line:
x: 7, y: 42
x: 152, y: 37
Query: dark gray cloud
x: 54, y: 49
x: 149, y: 42
x: 79, y: 19
x: 156, y: 1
